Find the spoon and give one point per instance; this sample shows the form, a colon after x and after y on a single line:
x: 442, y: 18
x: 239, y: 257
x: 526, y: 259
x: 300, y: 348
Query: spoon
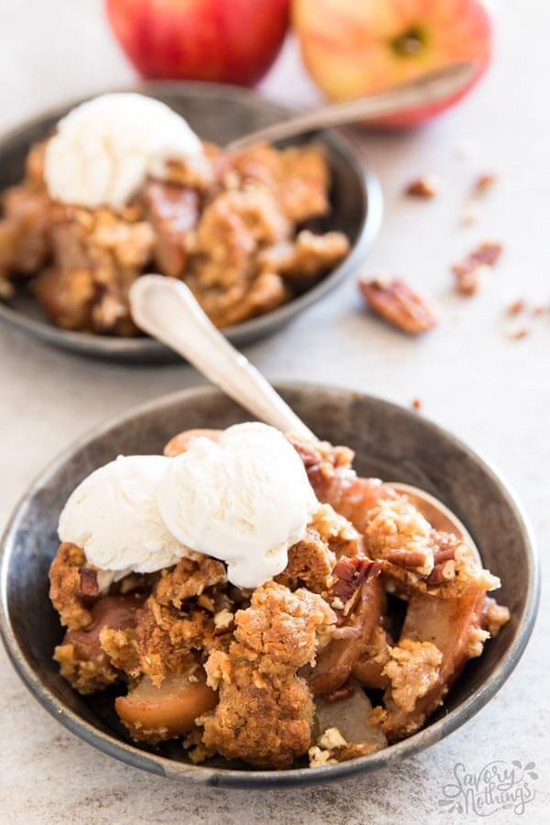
x: 430, y: 88
x: 166, y: 309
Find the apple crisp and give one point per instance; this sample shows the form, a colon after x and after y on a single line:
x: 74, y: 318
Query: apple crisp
x: 313, y: 664
x: 237, y: 229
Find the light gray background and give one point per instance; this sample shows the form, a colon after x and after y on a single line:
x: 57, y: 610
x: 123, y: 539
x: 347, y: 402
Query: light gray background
x: 473, y: 379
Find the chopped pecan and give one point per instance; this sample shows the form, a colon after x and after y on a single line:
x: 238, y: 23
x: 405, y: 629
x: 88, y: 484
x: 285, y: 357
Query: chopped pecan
x: 469, y: 272
x: 89, y: 587
x: 484, y: 183
x: 426, y: 187
x: 516, y: 307
x: 350, y: 574
x: 487, y: 253
x: 340, y: 693
x: 519, y: 333
x: 444, y: 552
x: 396, y: 302
x: 444, y: 571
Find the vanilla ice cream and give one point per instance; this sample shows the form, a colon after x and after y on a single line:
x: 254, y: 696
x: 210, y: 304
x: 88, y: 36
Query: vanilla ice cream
x: 244, y: 499
x: 104, y: 149
x: 114, y: 517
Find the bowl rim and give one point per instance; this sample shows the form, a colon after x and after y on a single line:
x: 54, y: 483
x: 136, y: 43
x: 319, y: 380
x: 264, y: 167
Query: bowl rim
x: 123, y: 347
x: 230, y: 778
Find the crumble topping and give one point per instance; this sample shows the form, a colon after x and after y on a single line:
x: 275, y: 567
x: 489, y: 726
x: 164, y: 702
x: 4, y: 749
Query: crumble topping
x: 400, y: 535
x: 85, y: 675
x: 332, y: 748
x: 265, y: 710
x: 67, y: 576
x: 230, y: 226
x: 413, y: 670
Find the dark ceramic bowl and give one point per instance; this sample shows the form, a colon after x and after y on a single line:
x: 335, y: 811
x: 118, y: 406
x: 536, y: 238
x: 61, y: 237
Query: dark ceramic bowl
x: 390, y: 442
x: 219, y: 114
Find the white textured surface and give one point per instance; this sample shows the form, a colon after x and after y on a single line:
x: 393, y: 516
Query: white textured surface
x: 492, y: 391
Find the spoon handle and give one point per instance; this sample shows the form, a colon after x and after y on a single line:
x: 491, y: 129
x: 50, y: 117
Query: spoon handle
x: 166, y: 309
x: 430, y: 88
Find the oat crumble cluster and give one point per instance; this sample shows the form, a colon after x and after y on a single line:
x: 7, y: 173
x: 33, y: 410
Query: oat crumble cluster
x: 279, y: 674
x: 236, y: 228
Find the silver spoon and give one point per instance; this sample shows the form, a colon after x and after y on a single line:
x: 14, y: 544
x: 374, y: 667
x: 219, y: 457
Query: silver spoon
x: 430, y: 88
x: 166, y: 309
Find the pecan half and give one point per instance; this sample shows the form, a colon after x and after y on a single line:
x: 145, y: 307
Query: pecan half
x: 408, y: 559
x: 399, y: 304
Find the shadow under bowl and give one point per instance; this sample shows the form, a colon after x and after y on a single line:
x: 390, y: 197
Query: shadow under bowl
x: 218, y: 114
x: 390, y: 442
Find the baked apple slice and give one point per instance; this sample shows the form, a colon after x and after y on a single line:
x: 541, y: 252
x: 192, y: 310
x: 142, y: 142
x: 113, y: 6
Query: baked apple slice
x: 83, y: 661
x: 455, y: 627
x: 118, y: 612
x: 337, y: 659
x: 352, y: 717
x: 153, y: 714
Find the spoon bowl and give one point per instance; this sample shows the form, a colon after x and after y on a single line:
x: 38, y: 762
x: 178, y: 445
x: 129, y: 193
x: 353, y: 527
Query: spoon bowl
x: 440, y: 517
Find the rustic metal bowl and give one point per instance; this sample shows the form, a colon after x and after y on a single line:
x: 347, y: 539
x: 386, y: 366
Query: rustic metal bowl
x: 390, y: 442
x: 219, y: 114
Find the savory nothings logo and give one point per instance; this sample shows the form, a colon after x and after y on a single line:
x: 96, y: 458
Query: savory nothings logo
x: 497, y: 786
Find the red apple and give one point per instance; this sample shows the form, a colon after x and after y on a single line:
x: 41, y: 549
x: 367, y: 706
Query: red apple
x: 229, y: 41
x: 353, y: 48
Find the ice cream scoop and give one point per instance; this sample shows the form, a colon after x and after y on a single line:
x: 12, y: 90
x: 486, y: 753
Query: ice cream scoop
x: 244, y: 499
x: 104, y: 149
x: 113, y: 515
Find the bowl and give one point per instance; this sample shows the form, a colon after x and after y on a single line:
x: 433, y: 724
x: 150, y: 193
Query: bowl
x: 390, y: 442
x: 219, y: 114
